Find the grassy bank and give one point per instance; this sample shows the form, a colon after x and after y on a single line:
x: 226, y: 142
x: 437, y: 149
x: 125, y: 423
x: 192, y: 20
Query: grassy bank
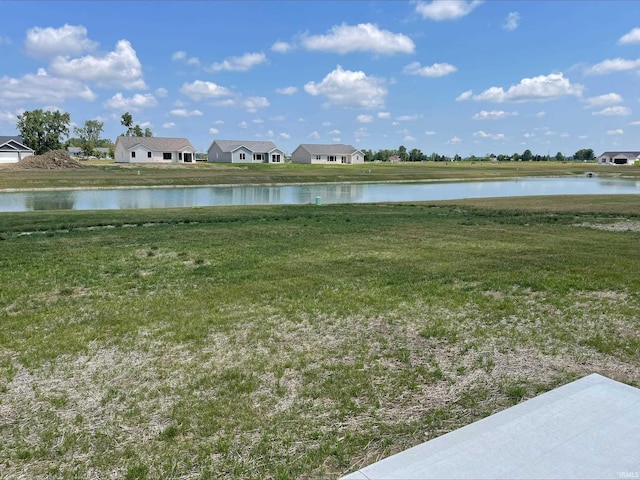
x: 102, y: 174
x: 298, y: 341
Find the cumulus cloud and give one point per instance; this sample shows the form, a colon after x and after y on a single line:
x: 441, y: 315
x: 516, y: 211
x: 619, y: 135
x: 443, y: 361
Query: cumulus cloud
x: 349, y: 89
x: 465, y: 96
x: 541, y: 88
x: 161, y: 92
x: 281, y: 47
x: 49, y: 42
x: 632, y: 37
x: 364, y: 37
x: 365, y: 118
x: 603, y: 100
x: 428, y: 133
x: 617, y: 131
x: 408, y: 138
x: 200, y: 89
x: 181, y: 112
x: 315, y: 135
x: 435, y: 70
x: 138, y: 101
x: 446, y: 9
x: 454, y: 141
x: 408, y: 118
x: 41, y: 88
x: 8, y: 117
x: 614, y: 111
x: 214, y: 131
x: 512, y: 21
x: 252, y: 104
x: 493, y: 115
x: 384, y: 115
x: 335, y: 132
x: 492, y: 136
x: 613, y: 65
x: 540, y: 114
x: 168, y: 125
x: 287, y: 90
x: 243, y: 124
x: 239, y: 64
x: 181, y: 56
x: 284, y: 135
x: 118, y: 68
x: 637, y: 122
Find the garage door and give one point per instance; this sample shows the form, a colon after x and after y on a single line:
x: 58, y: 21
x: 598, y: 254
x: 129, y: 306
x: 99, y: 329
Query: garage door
x: 8, y: 157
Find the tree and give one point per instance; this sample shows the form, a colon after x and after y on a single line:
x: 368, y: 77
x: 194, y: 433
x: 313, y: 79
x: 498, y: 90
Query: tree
x: 127, y: 121
x: 148, y: 132
x: 527, y: 156
x: 559, y: 157
x: 43, y: 131
x: 415, y: 155
x: 584, y: 154
x: 89, y: 136
x: 402, y: 153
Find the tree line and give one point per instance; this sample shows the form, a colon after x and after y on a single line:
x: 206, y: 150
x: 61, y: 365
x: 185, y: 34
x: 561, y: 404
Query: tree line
x: 44, y: 131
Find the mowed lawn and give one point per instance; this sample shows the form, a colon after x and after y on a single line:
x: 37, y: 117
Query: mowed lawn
x: 293, y: 342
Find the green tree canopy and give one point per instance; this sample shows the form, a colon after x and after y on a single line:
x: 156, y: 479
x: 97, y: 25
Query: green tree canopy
x: 584, y: 154
x: 89, y: 135
x: 43, y: 131
x: 133, y: 130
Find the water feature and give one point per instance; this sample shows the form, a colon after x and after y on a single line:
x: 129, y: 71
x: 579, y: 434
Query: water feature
x: 165, y: 197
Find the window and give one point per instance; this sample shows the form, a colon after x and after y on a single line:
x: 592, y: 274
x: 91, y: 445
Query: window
x: 148, y: 154
x: 344, y: 159
x: 332, y: 158
x: 133, y: 154
x: 275, y: 158
x: 318, y: 157
x: 257, y: 156
x: 242, y: 156
x: 166, y: 156
x: 179, y: 155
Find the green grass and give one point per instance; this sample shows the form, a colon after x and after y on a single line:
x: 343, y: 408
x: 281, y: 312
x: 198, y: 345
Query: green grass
x: 298, y: 341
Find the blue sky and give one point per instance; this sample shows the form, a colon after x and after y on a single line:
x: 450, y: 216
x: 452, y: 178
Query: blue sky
x: 466, y: 77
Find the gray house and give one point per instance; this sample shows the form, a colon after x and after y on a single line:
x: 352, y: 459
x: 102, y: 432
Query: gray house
x: 154, y: 150
x: 619, y: 158
x: 336, y: 153
x: 244, y: 151
x: 13, y: 149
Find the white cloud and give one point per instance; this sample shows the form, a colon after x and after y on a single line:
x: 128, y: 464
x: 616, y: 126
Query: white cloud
x: 446, y: 9
x: 199, y: 89
x: 541, y: 114
x: 493, y: 115
x: 257, y: 121
x: 492, y: 136
x: 181, y: 112
x: 409, y: 138
x: 278, y: 118
x: 364, y: 37
x: 454, y: 141
x: 287, y: 90
x: 614, y: 111
x: 243, y: 124
x: 214, y: 131
x: 512, y: 21
x: 41, y: 88
x: 284, y: 135
x: 637, y: 122
x: 435, y: 70
x: 613, y: 65
x: 335, y: 132
x: 252, y: 104
x: 314, y: 135
x: 302, y: 120
x: 219, y: 122
x: 349, y: 89
x: 603, y: 100
x: 161, y: 92
x: 465, y: 96
x: 428, y: 133
x: 240, y: 64
x: 181, y: 56
x: 409, y: 118
x: 541, y: 88
x: 617, y: 131
x: 281, y: 47
x: 384, y: 115
x: 632, y: 37
x: 8, y: 117
x: 138, y: 101
x: 365, y: 118
x: 361, y: 132
x: 118, y: 68
x: 336, y: 139
x: 270, y: 133
x: 582, y: 137
x: 53, y: 42
x: 168, y: 125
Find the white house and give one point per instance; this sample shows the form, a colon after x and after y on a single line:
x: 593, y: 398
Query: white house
x: 154, y: 150
x: 327, y: 154
x: 13, y: 149
x: 619, y: 158
x: 244, y: 151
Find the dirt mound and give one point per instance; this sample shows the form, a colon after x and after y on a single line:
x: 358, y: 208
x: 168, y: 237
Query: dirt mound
x: 54, y: 160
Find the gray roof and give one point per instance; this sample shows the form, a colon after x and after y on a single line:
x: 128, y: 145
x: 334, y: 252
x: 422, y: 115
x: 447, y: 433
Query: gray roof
x: 254, y: 146
x: 15, y: 139
x: 585, y: 429
x: 156, y: 144
x: 329, y: 149
x: 626, y: 154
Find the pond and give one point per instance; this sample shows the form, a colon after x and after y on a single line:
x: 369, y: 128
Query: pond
x: 165, y: 197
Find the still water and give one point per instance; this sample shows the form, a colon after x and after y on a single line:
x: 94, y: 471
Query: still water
x: 127, y: 198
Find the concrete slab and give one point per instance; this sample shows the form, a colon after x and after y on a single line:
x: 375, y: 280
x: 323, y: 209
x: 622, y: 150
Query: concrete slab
x: 587, y: 429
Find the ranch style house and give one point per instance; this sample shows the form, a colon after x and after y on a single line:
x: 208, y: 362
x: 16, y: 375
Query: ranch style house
x: 327, y: 154
x: 13, y: 149
x: 154, y: 150
x: 244, y: 151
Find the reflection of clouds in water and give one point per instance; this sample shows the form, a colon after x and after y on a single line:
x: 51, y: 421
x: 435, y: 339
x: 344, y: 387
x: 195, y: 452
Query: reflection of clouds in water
x: 102, y: 199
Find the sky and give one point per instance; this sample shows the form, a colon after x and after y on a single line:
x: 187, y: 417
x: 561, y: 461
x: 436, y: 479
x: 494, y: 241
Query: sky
x: 465, y: 77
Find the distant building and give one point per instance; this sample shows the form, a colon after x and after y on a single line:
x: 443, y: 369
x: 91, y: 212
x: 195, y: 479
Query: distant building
x: 619, y: 158
x: 331, y: 154
x: 244, y: 151
x: 394, y: 158
x: 13, y: 149
x: 154, y: 150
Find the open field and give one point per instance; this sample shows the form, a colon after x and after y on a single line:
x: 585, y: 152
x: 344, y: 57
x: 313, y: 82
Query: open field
x: 109, y: 174
x: 298, y: 341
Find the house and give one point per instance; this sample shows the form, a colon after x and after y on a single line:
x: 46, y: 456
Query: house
x: 13, y: 149
x: 619, y: 158
x: 244, y: 151
x: 394, y: 158
x: 336, y: 153
x: 154, y: 150
x: 76, y: 152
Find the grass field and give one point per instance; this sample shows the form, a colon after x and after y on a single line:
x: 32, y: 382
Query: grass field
x: 109, y: 174
x: 298, y: 341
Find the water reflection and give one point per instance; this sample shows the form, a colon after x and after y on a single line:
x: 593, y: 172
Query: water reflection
x: 103, y: 199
